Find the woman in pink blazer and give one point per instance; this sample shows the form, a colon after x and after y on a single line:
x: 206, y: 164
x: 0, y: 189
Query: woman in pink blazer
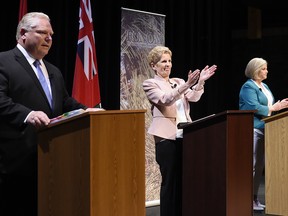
x: 169, y: 98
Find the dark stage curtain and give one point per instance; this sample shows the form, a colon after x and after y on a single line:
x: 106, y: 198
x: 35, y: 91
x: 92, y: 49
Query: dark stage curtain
x: 199, y: 32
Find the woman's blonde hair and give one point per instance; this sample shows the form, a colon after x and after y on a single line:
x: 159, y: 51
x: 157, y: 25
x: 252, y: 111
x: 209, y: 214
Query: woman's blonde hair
x: 254, y: 66
x: 156, y: 53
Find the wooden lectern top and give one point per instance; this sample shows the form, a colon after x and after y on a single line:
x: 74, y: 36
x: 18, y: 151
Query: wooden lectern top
x: 212, y: 116
x: 275, y: 117
x: 75, y: 114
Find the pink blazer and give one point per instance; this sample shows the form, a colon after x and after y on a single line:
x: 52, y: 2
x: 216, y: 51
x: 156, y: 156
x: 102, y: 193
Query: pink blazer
x: 163, y: 107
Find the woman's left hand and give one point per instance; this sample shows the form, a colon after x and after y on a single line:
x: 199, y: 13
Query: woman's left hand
x: 207, y: 72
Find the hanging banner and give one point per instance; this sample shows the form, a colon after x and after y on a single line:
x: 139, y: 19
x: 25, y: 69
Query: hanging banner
x: 140, y: 32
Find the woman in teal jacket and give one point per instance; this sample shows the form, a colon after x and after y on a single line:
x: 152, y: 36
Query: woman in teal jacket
x: 256, y: 95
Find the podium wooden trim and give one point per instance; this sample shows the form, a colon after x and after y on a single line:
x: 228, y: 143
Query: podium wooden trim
x: 217, y: 165
x: 276, y: 164
x: 93, y: 164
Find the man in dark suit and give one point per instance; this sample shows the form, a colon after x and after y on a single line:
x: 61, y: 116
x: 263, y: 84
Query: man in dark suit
x: 24, y: 107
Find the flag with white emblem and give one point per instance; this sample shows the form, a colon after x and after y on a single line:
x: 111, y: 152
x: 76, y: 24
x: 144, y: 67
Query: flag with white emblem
x: 85, y: 84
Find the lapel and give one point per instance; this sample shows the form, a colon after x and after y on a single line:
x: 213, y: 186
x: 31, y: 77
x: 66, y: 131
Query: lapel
x: 29, y: 70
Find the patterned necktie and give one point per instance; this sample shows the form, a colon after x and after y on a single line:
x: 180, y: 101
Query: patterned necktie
x: 43, y: 82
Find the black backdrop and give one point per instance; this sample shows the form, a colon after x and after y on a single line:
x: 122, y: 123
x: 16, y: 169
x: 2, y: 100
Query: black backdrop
x: 199, y: 32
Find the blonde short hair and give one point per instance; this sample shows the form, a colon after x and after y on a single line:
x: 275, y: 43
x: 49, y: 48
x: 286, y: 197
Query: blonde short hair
x: 254, y: 66
x: 156, y: 53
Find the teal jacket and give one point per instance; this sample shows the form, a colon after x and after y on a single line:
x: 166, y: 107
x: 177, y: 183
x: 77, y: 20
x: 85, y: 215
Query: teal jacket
x: 251, y: 97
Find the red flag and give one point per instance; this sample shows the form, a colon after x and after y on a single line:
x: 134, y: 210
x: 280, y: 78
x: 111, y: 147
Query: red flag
x: 22, y: 8
x: 85, y: 85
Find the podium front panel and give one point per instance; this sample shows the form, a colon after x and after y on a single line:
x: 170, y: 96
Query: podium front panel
x: 93, y: 165
x: 276, y: 164
x: 217, y: 165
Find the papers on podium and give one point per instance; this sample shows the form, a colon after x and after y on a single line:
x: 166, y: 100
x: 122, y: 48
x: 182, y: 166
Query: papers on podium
x: 67, y: 115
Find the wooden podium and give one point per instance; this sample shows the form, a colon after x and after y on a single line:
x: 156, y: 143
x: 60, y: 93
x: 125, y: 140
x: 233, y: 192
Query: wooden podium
x: 217, y: 165
x: 93, y: 164
x: 276, y: 164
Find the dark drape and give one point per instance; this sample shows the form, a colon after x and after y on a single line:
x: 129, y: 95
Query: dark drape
x: 199, y: 32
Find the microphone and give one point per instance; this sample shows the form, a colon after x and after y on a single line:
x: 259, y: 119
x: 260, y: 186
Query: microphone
x: 173, y: 85
x: 51, y: 76
x: 260, y: 89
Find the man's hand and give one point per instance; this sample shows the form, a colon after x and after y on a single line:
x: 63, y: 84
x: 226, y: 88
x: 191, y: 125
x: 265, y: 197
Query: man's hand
x: 38, y: 119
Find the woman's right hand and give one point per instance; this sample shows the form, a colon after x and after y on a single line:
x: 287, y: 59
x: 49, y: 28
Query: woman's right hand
x: 193, y: 77
x: 279, y: 105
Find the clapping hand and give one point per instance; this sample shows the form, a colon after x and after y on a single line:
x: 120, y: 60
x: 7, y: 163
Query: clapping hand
x: 193, y: 77
x: 207, y: 72
x: 279, y: 105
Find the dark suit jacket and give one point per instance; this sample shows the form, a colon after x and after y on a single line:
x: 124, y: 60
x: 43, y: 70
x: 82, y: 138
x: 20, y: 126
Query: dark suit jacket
x: 20, y: 93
